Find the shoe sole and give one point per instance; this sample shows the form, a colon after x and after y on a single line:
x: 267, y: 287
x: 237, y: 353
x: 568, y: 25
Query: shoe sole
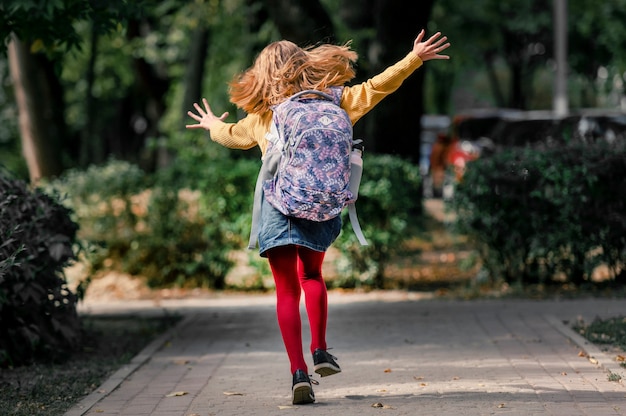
x: 303, y: 394
x: 326, y: 369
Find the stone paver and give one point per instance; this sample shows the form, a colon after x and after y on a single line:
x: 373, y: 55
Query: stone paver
x: 400, y: 355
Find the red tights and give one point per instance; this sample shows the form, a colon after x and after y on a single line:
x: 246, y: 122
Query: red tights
x: 297, y: 269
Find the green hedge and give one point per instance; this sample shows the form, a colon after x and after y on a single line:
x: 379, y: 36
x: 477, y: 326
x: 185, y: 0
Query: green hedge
x: 546, y: 216
x: 389, y: 200
x: 38, y: 318
x: 178, y: 227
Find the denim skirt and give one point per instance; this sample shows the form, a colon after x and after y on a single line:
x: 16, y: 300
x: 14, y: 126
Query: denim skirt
x: 277, y: 229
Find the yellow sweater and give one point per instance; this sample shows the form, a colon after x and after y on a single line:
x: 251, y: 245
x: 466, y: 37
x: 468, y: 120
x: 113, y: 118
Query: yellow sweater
x: 357, y: 100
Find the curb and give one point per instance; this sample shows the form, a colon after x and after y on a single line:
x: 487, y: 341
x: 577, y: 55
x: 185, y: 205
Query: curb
x: 113, y: 382
x: 593, y: 353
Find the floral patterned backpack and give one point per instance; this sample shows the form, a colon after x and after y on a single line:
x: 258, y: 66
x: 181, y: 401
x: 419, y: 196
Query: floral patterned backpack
x: 306, y: 170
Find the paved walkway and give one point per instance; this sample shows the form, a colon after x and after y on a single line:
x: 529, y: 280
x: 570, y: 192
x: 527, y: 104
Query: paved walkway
x: 401, y: 355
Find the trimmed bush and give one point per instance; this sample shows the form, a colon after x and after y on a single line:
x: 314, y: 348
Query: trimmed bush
x: 546, y: 216
x: 389, y: 199
x: 38, y: 319
x: 175, y: 228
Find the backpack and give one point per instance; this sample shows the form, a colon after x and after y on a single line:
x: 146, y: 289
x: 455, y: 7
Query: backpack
x: 306, y: 171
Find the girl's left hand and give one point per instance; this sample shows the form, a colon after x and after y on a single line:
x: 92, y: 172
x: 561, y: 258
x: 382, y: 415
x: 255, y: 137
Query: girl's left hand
x: 430, y: 48
x: 205, y: 117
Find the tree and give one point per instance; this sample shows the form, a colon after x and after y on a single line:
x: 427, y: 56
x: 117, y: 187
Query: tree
x: 598, y: 28
x: 517, y: 33
x: 388, y: 128
x: 304, y: 23
x: 38, y: 115
x: 390, y: 27
x: 37, y: 34
x: 511, y: 41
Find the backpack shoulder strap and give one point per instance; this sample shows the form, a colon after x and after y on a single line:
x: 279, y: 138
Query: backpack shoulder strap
x: 356, y: 227
x: 337, y: 92
x: 266, y: 172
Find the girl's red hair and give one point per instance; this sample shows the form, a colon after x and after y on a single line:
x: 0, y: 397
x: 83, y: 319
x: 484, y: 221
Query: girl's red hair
x: 283, y: 68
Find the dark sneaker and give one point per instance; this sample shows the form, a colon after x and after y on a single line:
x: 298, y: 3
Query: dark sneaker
x: 302, y: 389
x: 325, y: 364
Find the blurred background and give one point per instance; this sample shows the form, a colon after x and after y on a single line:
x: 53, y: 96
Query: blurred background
x: 93, y: 106
x: 83, y: 81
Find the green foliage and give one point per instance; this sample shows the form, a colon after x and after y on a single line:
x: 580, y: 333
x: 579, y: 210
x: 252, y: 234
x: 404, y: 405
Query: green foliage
x: 12, y: 158
x: 597, y: 29
x: 51, y: 22
x: 200, y: 225
x: 179, y: 227
x: 389, y: 199
x: 231, y: 49
x: 101, y: 198
x: 540, y: 215
x: 225, y: 181
x: 38, y: 317
x: 175, y: 228
x: 611, y: 331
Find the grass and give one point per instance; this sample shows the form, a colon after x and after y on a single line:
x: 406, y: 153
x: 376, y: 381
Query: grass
x: 52, y: 389
x: 610, y: 334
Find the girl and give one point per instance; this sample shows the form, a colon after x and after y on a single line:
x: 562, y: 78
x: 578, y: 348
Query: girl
x: 295, y: 247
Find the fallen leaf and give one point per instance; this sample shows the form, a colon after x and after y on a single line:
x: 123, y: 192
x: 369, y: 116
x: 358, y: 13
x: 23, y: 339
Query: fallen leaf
x: 563, y: 373
x: 232, y: 393
x: 593, y: 360
x: 456, y: 378
x: 379, y: 405
x: 423, y: 384
x: 501, y: 406
x: 418, y: 378
x: 177, y: 393
x: 388, y: 370
x: 620, y: 358
x: 582, y: 354
x: 382, y: 391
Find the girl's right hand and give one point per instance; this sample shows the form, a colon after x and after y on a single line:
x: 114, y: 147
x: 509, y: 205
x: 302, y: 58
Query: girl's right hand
x: 205, y: 117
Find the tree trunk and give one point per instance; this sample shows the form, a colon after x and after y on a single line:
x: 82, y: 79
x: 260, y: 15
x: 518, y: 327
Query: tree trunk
x: 393, y: 127
x: 195, y: 67
x: 153, y: 86
x: 36, y: 112
x: 91, y: 149
x: 493, y: 81
x: 518, y: 97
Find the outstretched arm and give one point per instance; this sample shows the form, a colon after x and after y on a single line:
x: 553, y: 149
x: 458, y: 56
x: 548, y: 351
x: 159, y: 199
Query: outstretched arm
x: 205, y: 117
x: 430, y: 48
x: 359, y: 99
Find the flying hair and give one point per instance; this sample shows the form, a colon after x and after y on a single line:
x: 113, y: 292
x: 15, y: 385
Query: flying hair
x: 282, y: 69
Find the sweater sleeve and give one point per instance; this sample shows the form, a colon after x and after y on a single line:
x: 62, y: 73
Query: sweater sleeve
x: 358, y: 100
x: 245, y: 134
